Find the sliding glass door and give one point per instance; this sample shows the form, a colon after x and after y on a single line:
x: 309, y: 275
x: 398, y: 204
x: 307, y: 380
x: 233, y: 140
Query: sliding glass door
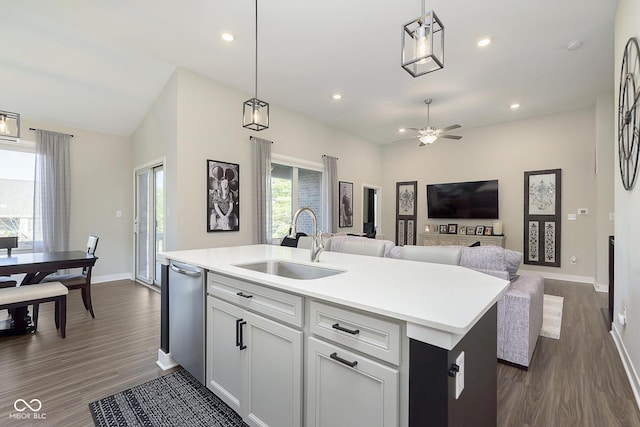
x: 149, y: 223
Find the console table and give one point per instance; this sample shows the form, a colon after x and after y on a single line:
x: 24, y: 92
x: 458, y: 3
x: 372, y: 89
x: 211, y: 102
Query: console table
x: 435, y: 239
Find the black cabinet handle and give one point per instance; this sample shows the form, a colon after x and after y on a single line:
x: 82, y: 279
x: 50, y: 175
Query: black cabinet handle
x: 243, y: 295
x: 349, y: 331
x: 335, y: 356
x: 238, y: 340
x: 241, y: 324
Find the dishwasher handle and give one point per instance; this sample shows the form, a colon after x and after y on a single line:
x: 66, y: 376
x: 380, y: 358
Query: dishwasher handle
x: 187, y: 272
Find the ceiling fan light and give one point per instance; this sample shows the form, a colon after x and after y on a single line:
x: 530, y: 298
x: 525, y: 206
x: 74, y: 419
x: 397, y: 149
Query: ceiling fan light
x: 428, y: 139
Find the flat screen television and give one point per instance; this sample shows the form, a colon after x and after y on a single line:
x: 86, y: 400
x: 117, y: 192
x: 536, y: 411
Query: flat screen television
x: 463, y: 200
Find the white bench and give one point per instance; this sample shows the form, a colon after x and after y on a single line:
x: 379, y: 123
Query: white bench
x: 23, y: 296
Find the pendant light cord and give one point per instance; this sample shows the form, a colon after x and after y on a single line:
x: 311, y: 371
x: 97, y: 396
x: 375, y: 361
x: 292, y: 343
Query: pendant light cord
x: 256, y: 87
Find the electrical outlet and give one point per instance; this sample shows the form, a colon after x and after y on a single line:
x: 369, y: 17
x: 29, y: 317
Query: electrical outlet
x: 572, y: 217
x: 460, y: 375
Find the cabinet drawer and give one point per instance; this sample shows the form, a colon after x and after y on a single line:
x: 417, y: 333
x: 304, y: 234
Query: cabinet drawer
x: 368, y: 334
x: 276, y: 304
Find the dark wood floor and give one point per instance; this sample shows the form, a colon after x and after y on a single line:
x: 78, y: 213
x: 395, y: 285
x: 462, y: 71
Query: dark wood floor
x: 577, y: 380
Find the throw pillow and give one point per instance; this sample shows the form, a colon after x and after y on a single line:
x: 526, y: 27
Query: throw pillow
x: 512, y: 259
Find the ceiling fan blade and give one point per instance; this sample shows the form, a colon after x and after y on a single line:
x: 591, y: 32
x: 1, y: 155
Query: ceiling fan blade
x: 450, y: 136
x: 416, y: 129
x: 406, y: 139
x: 448, y: 128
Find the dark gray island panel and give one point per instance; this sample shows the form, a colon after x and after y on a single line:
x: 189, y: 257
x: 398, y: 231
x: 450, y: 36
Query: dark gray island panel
x: 432, y: 400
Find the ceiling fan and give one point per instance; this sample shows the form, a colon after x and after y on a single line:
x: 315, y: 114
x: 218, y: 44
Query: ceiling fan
x: 429, y: 134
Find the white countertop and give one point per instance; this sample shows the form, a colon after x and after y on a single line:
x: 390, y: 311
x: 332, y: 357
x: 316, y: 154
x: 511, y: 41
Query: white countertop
x: 440, y: 303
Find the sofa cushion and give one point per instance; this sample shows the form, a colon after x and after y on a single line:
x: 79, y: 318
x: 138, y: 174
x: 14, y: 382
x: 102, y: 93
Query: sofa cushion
x: 501, y: 274
x: 436, y: 254
x: 483, y: 257
x: 337, y: 241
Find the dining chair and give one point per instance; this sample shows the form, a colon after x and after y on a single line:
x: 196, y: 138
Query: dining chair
x: 79, y: 281
x: 8, y: 243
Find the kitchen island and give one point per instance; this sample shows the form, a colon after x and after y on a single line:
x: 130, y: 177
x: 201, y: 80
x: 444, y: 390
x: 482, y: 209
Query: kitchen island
x: 378, y: 340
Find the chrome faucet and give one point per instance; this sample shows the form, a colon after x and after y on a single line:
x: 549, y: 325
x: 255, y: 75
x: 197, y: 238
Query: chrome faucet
x: 316, y: 238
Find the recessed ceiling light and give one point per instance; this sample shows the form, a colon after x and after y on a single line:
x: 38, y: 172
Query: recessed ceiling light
x: 337, y: 96
x: 484, y: 42
x: 514, y: 106
x: 228, y: 37
x: 401, y: 130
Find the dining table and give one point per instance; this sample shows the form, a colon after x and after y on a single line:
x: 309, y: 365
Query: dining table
x: 35, y: 267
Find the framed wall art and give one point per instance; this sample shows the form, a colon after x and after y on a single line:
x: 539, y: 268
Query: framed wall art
x: 345, y: 194
x: 406, y: 194
x: 542, y: 217
x: 223, y: 195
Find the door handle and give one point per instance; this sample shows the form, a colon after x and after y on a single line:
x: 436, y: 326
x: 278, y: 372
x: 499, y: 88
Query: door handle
x: 185, y: 271
x: 335, y: 356
x: 240, y: 325
x: 238, y: 340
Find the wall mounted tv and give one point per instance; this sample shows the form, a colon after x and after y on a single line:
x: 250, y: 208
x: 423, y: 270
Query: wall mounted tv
x: 463, y: 200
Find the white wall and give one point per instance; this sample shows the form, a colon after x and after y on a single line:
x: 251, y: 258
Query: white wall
x: 627, y: 227
x: 504, y: 152
x: 100, y: 186
x: 209, y: 126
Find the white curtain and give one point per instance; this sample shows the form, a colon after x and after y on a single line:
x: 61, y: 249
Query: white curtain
x: 261, y: 190
x: 52, y: 200
x: 330, y: 202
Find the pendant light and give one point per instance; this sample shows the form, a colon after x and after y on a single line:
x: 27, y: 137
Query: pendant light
x: 255, y: 113
x: 423, y: 44
x: 9, y: 126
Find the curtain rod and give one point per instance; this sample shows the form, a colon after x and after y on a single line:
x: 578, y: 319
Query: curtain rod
x: 325, y: 155
x: 50, y: 131
x: 252, y: 137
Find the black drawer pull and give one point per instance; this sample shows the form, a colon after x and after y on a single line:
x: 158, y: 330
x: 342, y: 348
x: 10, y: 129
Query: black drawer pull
x: 243, y: 295
x: 335, y: 356
x: 349, y: 331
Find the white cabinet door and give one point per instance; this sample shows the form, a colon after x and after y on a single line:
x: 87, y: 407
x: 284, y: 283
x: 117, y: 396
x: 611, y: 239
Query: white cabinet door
x: 254, y: 365
x: 345, y: 389
x: 272, y: 373
x: 224, y: 358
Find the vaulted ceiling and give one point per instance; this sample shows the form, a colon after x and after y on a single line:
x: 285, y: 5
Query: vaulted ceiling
x: 99, y: 65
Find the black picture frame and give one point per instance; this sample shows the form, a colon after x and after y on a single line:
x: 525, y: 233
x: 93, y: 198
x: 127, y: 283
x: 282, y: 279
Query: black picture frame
x: 443, y: 229
x: 542, y: 217
x: 479, y: 230
x: 453, y: 228
x: 345, y: 207
x: 223, y: 196
x: 406, y: 212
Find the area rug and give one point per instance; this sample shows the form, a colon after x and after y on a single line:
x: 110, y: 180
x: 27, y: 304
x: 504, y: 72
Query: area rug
x: 175, y: 399
x: 551, y: 316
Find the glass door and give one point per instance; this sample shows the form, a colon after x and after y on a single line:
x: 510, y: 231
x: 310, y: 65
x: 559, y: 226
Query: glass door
x: 149, y: 223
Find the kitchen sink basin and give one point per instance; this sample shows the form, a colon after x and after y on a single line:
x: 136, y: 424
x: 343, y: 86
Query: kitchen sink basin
x: 290, y: 270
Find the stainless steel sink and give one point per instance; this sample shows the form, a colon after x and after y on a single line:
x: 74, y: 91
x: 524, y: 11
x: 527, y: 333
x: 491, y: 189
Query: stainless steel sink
x: 290, y: 270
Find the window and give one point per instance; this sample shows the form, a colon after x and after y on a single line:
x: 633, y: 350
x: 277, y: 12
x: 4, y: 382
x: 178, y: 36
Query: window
x: 17, y: 169
x: 294, y: 186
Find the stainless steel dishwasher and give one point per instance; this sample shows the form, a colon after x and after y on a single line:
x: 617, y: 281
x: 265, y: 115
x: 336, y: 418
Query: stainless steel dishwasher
x: 187, y: 317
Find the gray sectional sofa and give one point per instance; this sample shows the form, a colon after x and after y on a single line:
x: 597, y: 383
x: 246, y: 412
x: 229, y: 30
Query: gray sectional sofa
x: 519, y: 308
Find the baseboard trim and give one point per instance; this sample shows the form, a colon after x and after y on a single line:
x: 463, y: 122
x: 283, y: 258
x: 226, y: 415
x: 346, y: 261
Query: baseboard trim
x: 560, y: 276
x: 111, y: 277
x: 601, y: 288
x: 165, y: 361
x: 632, y: 374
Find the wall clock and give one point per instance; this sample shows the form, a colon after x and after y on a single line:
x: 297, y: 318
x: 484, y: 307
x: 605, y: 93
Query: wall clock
x: 629, y: 114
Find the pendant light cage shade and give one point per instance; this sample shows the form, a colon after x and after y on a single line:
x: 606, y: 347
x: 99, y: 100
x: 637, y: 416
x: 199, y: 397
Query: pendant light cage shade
x: 9, y: 126
x: 423, y: 44
x: 255, y: 114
